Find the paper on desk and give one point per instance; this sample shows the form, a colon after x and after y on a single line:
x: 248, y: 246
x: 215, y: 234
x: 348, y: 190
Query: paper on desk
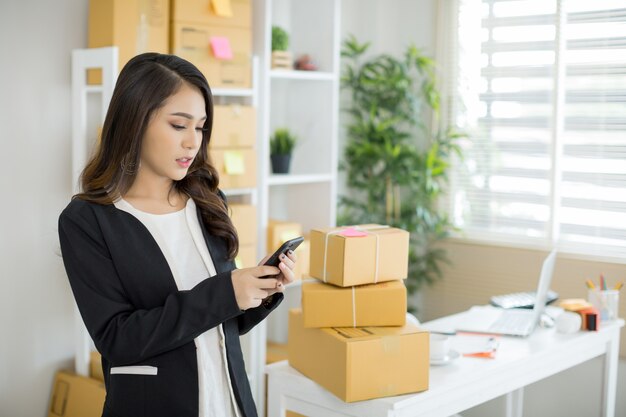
x: 476, y: 345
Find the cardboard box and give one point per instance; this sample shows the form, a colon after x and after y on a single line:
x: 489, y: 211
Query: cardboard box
x: 360, y: 363
x: 234, y: 126
x: 303, y: 254
x: 204, y: 12
x: 244, y: 219
x: 134, y: 26
x: 353, y: 253
x: 95, y: 366
x: 236, y: 167
x: 76, y: 396
x: 276, y: 352
x: 246, y: 258
x: 279, y: 231
x: 193, y: 43
x: 325, y: 305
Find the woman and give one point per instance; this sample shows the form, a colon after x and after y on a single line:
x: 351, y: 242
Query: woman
x: 148, y: 247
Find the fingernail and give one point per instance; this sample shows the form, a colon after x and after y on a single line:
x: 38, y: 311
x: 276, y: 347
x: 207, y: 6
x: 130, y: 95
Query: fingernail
x: 280, y: 284
x: 290, y: 252
x: 282, y: 256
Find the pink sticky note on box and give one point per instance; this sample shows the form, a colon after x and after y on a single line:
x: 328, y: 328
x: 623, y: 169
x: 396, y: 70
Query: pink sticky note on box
x: 352, y: 232
x: 220, y: 46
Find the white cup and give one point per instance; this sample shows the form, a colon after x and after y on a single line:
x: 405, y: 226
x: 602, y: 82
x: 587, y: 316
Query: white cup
x: 439, y: 346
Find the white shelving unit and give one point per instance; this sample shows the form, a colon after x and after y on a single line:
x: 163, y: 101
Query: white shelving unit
x: 307, y: 103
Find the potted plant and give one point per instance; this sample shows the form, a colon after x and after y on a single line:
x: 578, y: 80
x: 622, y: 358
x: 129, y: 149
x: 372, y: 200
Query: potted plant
x: 281, y: 147
x: 281, y: 58
x: 396, y: 166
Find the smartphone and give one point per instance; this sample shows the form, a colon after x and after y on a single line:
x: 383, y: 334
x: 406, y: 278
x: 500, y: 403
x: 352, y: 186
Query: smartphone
x: 291, y: 244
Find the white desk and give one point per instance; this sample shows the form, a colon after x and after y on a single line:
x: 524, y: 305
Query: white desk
x: 466, y: 382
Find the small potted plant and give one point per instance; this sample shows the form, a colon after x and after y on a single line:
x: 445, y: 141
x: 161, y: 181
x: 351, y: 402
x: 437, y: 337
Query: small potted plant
x: 281, y: 58
x: 281, y: 146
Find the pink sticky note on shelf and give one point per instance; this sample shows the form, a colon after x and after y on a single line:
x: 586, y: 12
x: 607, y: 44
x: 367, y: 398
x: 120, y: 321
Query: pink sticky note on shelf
x: 352, y: 232
x: 220, y: 46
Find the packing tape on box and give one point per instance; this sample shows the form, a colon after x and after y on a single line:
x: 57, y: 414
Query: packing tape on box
x: 353, y: 307
x: 360, y: 229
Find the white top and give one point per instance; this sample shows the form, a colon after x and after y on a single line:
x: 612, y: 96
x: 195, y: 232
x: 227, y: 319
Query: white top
x: 180, y: 238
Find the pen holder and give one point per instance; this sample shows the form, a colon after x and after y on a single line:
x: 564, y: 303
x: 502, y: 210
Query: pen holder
x: 606, y: 301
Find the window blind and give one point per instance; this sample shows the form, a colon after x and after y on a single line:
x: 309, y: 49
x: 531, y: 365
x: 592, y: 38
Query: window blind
x: 540, y: 87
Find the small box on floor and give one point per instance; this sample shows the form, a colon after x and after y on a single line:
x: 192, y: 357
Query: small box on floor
x: 364, y: 254
x: 360, y: 363
x: 76, y: 396
x: 325, y: 305
x: 95, y: 366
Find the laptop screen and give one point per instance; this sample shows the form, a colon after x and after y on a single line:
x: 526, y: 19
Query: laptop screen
x: 544, y: 285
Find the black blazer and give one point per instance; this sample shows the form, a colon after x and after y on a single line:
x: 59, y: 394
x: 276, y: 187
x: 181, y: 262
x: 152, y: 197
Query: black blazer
x: 136, y: 315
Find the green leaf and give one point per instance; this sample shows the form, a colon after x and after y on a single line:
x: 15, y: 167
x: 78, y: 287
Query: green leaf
x: 389, y: 142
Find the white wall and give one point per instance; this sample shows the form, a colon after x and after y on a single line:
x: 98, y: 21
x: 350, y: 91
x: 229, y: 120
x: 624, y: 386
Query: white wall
x: 36, y: 316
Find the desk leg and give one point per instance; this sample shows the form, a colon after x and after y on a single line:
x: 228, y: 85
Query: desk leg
x: 609, y: 385
x: 275, y: 402
x: 515, y: 403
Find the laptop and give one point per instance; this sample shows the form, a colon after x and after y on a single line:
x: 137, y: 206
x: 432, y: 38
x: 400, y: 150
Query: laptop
x: 511, y: 322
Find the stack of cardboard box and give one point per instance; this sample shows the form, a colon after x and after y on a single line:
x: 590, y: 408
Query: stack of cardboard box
x: 351, y: 335
x: 134, y: 26
x: 278, y: 232
x: 216, y: 36
x: 78, y: 396
x: 245, y: 222
x: 232, y: 146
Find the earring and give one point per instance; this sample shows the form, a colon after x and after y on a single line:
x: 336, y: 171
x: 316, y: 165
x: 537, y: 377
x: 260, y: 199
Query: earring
x: 128, y: 168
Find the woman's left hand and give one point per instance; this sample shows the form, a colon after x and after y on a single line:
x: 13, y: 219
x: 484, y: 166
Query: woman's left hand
x: 286, y: 276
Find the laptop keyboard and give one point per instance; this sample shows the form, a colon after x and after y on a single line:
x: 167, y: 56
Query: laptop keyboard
x: 513, y: 322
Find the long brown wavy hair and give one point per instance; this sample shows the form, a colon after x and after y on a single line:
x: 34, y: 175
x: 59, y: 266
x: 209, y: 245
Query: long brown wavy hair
x: 142, y: 87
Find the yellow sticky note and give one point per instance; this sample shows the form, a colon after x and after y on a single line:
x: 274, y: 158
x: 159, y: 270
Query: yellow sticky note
x: 285, y: 236
x: 222, y: 8
x: 234, y: 163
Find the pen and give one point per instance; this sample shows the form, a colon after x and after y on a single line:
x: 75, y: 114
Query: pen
x: 590, y: 284
x: 602, y: 282
x: 619, y: 285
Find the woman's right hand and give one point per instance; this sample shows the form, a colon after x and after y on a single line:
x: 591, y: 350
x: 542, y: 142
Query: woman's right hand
x: 250, y: 288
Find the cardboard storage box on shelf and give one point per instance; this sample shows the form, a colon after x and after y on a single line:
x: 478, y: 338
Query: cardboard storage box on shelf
x: 76, y: 396
x: 236, y: 13
x: 326, y: 305
x: 236, y: 167
x: 198, y: 44
x: 134, y: 26
x: 234, y: 126
x: 279, y: 231
x: 358, y: 255
x: 360, y: 363
x: 244, y: 219
x: 303, y: 254
x: 276, y: 352
x: 246, y: 258
x: 95, y: 366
